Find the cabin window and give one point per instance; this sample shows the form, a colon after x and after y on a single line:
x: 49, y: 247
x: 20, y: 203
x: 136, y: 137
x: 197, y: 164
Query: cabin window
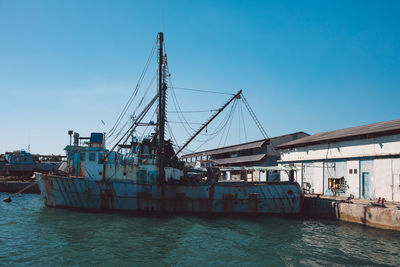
x: 355, y: 171
x: 92, y: 156
x: 83, y: 156
x: 101, y: 158
x: 350, y: 171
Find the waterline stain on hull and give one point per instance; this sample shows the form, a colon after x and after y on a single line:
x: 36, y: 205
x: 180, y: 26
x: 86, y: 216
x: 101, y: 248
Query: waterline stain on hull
x: 126, y: 195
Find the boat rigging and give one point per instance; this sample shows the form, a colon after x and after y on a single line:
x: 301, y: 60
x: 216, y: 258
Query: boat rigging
x: 146, y: 176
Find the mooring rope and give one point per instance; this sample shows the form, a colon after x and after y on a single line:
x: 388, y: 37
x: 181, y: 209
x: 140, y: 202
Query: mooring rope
x: 8, y: 199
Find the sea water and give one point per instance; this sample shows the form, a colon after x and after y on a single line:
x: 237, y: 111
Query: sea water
x: 32, y: 234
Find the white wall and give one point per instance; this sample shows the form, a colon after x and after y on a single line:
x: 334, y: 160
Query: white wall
x: 396, y: 179
x: 312, y: 173
x: 385, y: 172
x: 387, y: 179
x: 353, y: 179
x: 380, y: 146
x: 318, y: 173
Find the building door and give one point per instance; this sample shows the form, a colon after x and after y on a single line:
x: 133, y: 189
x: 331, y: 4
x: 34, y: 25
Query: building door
x: 365, y: 185
x: 367, y: 188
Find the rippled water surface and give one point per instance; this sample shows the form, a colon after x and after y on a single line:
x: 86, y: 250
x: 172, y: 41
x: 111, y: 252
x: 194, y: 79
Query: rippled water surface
x: 31, y: 234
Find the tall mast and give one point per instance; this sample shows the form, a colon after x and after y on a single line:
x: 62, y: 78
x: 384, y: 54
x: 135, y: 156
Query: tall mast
x: 162, y: 87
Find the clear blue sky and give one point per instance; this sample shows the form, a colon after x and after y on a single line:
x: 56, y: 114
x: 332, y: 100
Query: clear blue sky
x: 303, y: 65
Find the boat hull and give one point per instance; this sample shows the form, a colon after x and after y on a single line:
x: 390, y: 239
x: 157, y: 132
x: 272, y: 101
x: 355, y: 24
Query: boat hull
x: 127, y: 195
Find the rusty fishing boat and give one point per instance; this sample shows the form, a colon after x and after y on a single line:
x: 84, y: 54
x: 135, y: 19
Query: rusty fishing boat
x: 146, y: 175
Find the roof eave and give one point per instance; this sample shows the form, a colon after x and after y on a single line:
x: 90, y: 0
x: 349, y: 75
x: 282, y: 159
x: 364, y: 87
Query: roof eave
x: 341, y: 139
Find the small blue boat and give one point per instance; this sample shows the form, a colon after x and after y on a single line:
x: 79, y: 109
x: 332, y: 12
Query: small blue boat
x: 23, y: 164
x: 148, y: 177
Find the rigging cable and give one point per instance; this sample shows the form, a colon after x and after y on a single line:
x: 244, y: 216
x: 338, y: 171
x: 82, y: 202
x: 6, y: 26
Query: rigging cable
x: 244, y: 124
x: 220, y: 127
x: 193, y: 111
x: 257, y: 122
x: 224, y: 130
x: 182, y: 118
x: 240, y: 128
x: 179, y: 111
x: 147, y: 127
x: 145, y: 93
x: 177, y: 107
x: 201, y: 90
x: 230, y: 124
x: 115, y: 136
x: 174, y: 141
x: 141, y: 77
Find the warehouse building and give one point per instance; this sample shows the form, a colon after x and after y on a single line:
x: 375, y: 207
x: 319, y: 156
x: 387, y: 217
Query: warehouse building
x: 360, y: 162
x: 236, y: 161
x: 256, y: 153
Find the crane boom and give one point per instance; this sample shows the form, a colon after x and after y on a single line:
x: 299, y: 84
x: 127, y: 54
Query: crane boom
x: 237, y: 95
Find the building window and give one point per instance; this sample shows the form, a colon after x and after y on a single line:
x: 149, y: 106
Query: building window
x: 350, y: 171
x: 92, y: 156
x: 355, y: 171
x: 83, y: 156
x: 337, y: 184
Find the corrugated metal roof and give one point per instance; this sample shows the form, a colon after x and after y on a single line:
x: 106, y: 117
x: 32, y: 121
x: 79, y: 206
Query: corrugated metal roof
x: 359, y: 132
x: 245, y: 146
x: 239, y: 159
x: 272, y: 168
x: 234, y: 148
x: 254, y: 144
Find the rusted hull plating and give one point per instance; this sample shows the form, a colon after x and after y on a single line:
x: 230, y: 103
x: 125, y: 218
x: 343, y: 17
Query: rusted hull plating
x: 125, y: 195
